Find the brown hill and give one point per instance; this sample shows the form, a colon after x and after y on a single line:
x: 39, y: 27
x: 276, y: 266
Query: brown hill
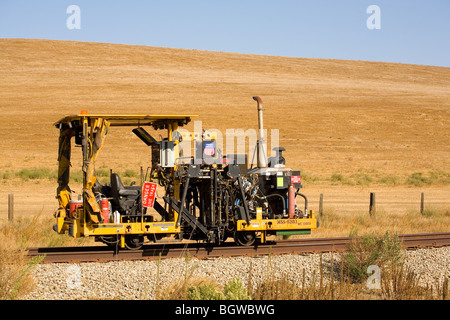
x: 334, y: 116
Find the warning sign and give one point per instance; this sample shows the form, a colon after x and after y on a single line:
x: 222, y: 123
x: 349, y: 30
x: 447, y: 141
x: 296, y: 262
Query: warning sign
x: 296, y: 179
x: 148, y: 194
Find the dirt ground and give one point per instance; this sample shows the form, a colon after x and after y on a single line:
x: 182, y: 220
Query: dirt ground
x: 334, y: 116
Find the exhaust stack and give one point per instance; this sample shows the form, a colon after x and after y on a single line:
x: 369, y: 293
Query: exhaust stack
x: 261, y: 143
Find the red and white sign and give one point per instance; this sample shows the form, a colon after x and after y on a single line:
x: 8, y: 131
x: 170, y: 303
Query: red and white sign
x: 148, y: 194
x: 209, y: 149
x: 296, y: 179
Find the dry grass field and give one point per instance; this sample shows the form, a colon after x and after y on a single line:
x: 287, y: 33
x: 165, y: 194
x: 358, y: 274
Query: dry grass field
x: 351, y: 127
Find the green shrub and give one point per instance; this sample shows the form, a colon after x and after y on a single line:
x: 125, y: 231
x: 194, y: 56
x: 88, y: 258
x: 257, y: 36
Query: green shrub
x: 36, y: 173
x: 362, y: 179
x: 102, y: 173
x: 76, y: 176
x: 130, y: 173
x: 204, y: 292
x: 5, y: 175
x: 371, y: 250
x: 338, y: 178
x: 418, y: 179
x: 234, y: 290
x: 389, y: 180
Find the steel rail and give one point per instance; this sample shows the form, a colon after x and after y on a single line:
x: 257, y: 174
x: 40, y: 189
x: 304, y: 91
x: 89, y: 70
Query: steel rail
x: 201, y: 251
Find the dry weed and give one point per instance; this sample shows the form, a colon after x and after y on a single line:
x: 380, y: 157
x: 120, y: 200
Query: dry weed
x: 15, y: 266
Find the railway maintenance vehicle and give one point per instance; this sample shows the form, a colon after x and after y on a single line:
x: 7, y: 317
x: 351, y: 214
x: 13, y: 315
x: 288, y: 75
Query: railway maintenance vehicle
x: 207, y: 197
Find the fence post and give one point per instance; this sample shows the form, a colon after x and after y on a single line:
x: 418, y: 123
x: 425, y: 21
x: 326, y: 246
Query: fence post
x: 321, y: 205
x: 422, y: 203
x: 10, y: 207
x: 372, y: 205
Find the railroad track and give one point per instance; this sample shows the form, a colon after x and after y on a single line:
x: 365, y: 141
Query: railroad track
x: 199, y: 250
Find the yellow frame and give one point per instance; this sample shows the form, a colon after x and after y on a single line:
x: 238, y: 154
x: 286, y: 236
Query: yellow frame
x: 78, y: 226
x: 277, y: 224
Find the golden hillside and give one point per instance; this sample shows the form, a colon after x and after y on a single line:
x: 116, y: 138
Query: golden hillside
x: 334, y: 116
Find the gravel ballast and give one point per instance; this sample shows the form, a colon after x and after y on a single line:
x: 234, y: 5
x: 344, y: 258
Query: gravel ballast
x: 133, y: 280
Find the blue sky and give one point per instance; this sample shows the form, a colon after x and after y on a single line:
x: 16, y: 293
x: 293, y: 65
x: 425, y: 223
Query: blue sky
x: 416, y: 32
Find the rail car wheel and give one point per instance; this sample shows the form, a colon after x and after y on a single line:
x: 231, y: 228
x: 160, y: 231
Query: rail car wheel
x: 134, y: 242
x: 245, y: 238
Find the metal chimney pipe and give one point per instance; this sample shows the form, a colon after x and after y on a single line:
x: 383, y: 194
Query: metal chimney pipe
x: 261, y: 153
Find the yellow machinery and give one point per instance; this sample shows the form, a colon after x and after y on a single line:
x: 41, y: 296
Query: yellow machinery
x: 207, y: 197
